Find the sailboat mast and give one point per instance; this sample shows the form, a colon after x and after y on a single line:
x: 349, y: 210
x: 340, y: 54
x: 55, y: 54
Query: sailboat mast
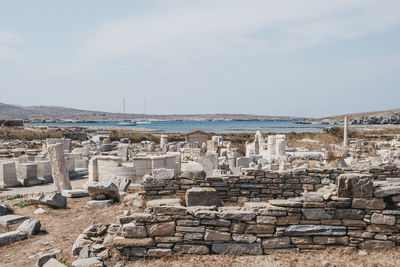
x: 124, y: 108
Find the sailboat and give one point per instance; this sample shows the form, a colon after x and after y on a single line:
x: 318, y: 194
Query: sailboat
x: 144, y: 121
x: 126, y: 122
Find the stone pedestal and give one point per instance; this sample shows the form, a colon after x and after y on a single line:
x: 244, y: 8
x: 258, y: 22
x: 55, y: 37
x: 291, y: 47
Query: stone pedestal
x: 27, y: 174
x: 8, y: 175
x: 44, y: 171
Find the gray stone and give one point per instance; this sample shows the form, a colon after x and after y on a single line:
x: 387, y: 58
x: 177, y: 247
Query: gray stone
x: 355, y: 185
x: 192, y: 249
x: 164, y: 202
x: 312, y: 197
x: 52, y: 262
x: 163, y: 174
x: 30, y: 226
x: 314, y: 230
x: 11, y: 237
x: 385, y: 191
x: 90, y: 262
x: 99, y: 203
x: 377, y: 245
x: 351, y: 214
x: 11, y: 219
x: 44, y: 258
x: 202, y: 197
x: 237, y: 248
x: 239, y: 215
x: 368, y: 203
x: 212, y: 235
x: 75, y: 193
x: 276, y: 242
x: 4, y: 210
x: 133, y: 230
x: 121, y: 182
x: 167, y: 210
x: 107, y: 189
x: 54, y: 200
x: 159, y: 252
x: 377, y: 218
x: 316, y: 214
x: 286, y: 203
x: 242, y: 238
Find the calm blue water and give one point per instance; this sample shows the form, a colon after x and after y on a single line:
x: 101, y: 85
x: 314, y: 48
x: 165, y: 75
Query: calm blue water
x: 210, y: 126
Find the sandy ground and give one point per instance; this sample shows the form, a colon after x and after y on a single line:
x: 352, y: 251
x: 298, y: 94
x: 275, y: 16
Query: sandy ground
x: 76, y: 184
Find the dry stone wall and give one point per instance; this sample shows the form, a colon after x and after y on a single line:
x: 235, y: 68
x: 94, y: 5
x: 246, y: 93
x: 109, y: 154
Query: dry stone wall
x: 257, y: 184
x: 314, y: 221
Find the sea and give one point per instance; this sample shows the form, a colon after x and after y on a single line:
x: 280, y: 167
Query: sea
x: 232, y: 126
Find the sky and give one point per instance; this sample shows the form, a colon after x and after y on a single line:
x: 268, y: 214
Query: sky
x: 308, y: 58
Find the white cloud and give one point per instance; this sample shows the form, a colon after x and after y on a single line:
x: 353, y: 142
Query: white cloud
x: 229, y: 27
x: 9, y: 37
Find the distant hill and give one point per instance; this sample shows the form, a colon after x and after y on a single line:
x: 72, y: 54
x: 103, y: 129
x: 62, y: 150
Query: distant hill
x: 54, y: 113
x: 376, y: 117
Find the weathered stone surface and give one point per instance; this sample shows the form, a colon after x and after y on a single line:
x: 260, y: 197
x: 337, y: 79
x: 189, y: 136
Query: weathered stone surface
x: 90, y: 262
x: 206, y: 214
x: 161, y: 229
x: 4, y: 210
x: 286, y: 220
x: 377, y: 245
x: 192, y: 249
x: 133, y: 242
x: 314, y: 230
x: 355, y: 185
x: 331, y: 240
x: 237, y: 248
x: 260, y: 229
x: 312, y: 197
x: 30, y: 227
x: 159, y: 252
x: 168, y: 239
x: 239, y: 215
x: 286, y: 202
x: 167, y: 210
x: 212, y: 235
x: 58, y: 167
x: 368, y: 203
x: 351, y: 214
x: 216, y: 222
x: 99, y: 203
x: 377, y: 218
x: 137, y: 217
x: 301, y: 240
x: 378, y: 228
x: 11, y: 237
x: 241, y: 238
x: 54, y: 200
x: 202, y: 197
x: 276, y: 242
x: 121, y: 182
x: 316, y: 214
x: 188, y: 229
x: 103, y: 190
x: 163, y: 174
x: 387, y: 190
x: 43, y: 258
x: 266, y: 219
x: 354, y: 223
x: 164, y: 202
x: 52, y: 262
x: 11, y: 219
x: 75, y: 193
x: 132, y: 230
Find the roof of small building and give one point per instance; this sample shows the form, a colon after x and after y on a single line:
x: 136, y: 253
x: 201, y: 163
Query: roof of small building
x: 197, y: 131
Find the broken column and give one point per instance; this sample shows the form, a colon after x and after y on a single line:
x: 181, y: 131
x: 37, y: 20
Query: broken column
x: 271, y: 145
x: 59, y: 170
x: 345, y: 132
x: 163, y: 142
x: 280, y: 144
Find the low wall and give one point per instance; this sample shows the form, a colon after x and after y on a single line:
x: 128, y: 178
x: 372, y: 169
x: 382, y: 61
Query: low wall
x: 315, y: 221
x: 260, y: 185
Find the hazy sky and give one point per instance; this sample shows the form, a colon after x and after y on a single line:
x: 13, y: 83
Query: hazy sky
x: 286, y: 57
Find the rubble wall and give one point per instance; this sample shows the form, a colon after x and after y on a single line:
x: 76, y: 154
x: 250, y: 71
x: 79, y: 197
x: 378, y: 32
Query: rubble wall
x: 260, y: 185
x: 315, y: 221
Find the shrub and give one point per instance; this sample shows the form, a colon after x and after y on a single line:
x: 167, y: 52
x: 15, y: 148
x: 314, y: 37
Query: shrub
x: 23, y: 203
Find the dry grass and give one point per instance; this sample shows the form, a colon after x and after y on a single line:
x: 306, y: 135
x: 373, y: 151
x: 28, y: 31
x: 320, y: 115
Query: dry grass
x: 12, y: 133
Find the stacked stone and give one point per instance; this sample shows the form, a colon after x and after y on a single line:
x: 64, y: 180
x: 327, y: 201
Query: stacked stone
x: 352, y: 214
x: 256, y: 185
